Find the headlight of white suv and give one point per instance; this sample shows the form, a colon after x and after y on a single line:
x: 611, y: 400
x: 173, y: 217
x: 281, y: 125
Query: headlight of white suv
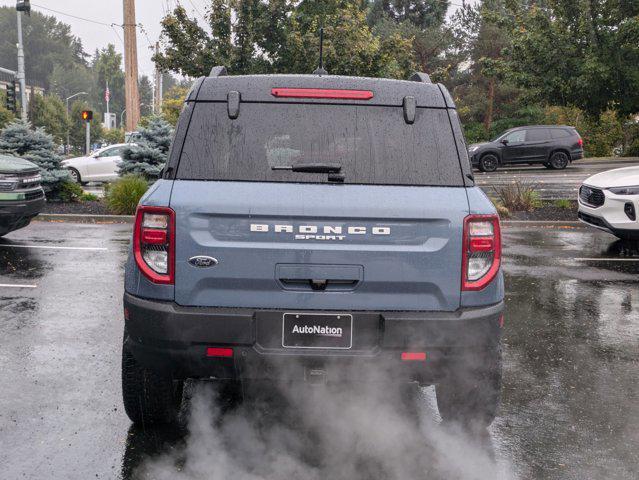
x: 625, y: 190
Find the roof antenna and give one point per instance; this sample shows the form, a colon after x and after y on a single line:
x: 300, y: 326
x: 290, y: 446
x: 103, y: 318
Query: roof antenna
x: 320, y: 70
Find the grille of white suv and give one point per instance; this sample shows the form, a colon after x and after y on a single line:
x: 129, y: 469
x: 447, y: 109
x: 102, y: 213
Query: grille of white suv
x: 593, y: 197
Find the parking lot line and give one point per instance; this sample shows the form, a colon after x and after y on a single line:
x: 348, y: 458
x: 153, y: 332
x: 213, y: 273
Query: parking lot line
x: 54, y: 247
x: 608, y: 259
x: 13, y: 285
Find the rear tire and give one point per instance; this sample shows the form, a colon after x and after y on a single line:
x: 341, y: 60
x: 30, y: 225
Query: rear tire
x: 488, y: 163
x: 470, y: 393
x: 150, y: 397
x: 559, y: 160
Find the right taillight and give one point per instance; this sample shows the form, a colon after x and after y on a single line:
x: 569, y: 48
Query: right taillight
x: 154, y: 243
x: 481, y: 251
x: 580, y: 142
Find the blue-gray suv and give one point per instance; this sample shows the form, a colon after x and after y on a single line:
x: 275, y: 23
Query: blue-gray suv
x: 307, y: 224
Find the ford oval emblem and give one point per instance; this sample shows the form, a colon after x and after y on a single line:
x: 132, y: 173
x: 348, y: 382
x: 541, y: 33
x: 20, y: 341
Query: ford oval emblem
x: 202, y: 261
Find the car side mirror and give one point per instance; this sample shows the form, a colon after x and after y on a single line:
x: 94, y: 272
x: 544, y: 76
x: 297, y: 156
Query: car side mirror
x: 504, y: 141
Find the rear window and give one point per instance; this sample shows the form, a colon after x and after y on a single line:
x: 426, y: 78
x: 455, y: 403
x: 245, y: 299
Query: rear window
x: 560, y: 133
x: 537, y: 134
x: 373, y: 144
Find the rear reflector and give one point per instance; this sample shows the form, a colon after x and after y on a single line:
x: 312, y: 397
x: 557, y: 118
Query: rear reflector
x: 153, y: 236
x: 219, y: 352
x: 321, y: 93
x: 413, y: 356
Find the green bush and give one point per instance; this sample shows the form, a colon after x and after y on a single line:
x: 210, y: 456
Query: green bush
x: 124, y: 195
x: 70, y: 192
x: 564, y: 203
x: 88, y: 197
x: 518, y: 196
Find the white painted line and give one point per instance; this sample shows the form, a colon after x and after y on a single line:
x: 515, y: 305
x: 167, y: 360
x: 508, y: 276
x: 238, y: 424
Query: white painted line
x: 13, y: 285
x: 53, y: 247
x: 608, y: 259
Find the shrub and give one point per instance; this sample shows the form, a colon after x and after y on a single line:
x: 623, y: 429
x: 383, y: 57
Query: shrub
x: 69, y: 191
x: 519, y: 196
x: 502, y: 211
x: 564, y: 203
x: 124, y: 195
x: 88, y: 197
x: 148, y: 156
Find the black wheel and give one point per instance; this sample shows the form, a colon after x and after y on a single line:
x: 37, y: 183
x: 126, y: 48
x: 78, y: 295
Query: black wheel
x: 470, y: 393
x: 559, y: 160
x: 488, y: 163
x: 150, y: 398
x: 75, y: 175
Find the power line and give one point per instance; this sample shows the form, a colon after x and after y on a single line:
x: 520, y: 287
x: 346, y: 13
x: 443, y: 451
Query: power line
x: 72, y: 16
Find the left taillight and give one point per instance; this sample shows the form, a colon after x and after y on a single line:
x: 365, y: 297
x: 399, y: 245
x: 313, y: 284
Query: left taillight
x: 154, y: 243
x: 481, y: 255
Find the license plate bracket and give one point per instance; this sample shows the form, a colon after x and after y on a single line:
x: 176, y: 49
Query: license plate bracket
x: 317, y: 330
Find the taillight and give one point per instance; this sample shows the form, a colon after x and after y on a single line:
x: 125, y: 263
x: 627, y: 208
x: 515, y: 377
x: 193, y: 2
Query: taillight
x: 580, y: 142
x: 154, y: 243
x: 481, y: 251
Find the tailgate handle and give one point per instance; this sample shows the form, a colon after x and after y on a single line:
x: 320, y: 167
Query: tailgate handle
x: 319, y: 277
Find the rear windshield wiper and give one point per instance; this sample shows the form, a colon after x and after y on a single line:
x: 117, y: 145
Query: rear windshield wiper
x: 311, y: 167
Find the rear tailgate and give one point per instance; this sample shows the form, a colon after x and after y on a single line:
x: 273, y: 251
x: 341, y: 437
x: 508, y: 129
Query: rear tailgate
x: 319, y: 246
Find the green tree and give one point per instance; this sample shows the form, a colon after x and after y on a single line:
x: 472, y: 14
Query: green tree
x: 6, y: 115
x: 35, y: 145
x: 148, y: 156
x: 145, y: 88
x: 107, y: 68
x: 251, y: 36
x: 173, y: 102
x: 579, y: 52
x: 47, y: 43
x: 49, y: 112
x: 65, y: 81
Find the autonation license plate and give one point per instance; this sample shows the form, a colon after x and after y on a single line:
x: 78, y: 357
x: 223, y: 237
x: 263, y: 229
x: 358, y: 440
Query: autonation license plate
x: 317, y: 330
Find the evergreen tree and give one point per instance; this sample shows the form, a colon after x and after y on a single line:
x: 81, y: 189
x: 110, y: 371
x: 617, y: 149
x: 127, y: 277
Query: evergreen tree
x: 148, y: 156
x: 20, y: 140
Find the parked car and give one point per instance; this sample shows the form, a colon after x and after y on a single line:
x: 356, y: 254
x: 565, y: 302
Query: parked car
x: 101, y: 166
x: 21, y: 196
x: 308, y: 223
x: 609, y: 201
x: 553, y: 146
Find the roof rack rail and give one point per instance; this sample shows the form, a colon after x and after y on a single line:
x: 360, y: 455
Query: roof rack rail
x: 420, y: 77
x: 218, y: 71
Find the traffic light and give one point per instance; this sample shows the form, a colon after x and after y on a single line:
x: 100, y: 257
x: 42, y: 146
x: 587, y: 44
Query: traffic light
x: 87, y: 115
x: 11, y: 96
x: 24, y: 6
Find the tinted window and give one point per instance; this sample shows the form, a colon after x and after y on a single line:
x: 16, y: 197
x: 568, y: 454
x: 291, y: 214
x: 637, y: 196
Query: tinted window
x: 516, y: 136
x: 537, y: 135
x: 560, y: 133
x: 373, y: 144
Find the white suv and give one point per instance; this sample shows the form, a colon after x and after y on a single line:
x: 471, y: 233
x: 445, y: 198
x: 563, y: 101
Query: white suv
x: 610, y: 201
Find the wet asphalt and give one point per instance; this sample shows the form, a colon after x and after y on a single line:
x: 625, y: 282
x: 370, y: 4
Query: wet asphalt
x: 570, y: 407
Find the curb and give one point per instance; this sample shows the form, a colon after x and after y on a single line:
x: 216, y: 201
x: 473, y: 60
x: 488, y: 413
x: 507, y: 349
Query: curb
x: 83, y: 218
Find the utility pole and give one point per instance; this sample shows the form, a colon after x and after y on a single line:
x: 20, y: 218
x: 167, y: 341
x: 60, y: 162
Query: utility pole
x: 20, y: 76
x: 132, y: 103
x: 157, y: 91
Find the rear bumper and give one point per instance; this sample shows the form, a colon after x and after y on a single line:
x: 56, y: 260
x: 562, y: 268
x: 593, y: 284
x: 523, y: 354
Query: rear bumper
x: 576, y: 154
x: 168, y: 337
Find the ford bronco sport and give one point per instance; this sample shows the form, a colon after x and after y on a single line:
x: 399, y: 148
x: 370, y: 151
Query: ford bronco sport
x: 305, y: 223
x: 21, y: 196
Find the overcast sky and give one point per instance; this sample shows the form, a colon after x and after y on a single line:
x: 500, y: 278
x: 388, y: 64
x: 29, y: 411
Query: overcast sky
x: 96, y: 35
x: 148, y: 13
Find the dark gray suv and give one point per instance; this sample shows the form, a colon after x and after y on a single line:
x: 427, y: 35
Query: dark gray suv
x: 553, y: 146
x: 305, y: 224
